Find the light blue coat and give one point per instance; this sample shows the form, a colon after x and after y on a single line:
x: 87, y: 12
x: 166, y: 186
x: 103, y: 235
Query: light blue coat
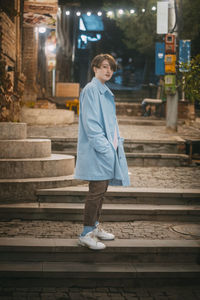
x: 97, y: 158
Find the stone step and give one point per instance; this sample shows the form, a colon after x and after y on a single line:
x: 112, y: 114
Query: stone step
x: 25, y: 148
x: 148, y: 159
x: 98, y: 274
x: 142, y: 121
x: 118, y: 250
x: 157, y: 160
x: 110, y: 212
x: 13, y: 131
x: 123, y: 195
x: 130, y: 146
x: 52, y: 166
x: 15, y: 190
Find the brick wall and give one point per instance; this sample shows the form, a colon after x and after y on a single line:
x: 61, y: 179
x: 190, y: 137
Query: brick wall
x: 30, y: 46
x: 8, y: 41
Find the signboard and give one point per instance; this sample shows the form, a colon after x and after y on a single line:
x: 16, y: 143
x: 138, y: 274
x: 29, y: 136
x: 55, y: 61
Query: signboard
x: 170, y: 63
x: 184, y: 54
x: 40, y: 13
x: 162, y: 17
x: 160, y: 59
x: 170, y: 84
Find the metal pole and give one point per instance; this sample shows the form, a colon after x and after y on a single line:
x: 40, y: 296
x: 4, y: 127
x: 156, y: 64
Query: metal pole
x: 172, y: 100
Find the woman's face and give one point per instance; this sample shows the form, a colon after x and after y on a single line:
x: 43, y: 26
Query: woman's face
x: 104, y: 72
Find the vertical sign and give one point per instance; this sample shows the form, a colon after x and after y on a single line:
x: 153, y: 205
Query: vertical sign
x: 160, y: 59
x: 162, y: 17
x: 184, y: 54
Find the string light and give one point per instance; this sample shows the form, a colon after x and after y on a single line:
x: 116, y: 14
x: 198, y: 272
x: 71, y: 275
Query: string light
x: 110, y: 13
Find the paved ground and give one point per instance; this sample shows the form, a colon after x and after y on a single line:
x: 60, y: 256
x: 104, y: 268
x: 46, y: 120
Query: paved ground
x: 179, y: 177
x: 164, y: 293
x: 143, y: 132
x: 65, y: 229
x: 165, y: 177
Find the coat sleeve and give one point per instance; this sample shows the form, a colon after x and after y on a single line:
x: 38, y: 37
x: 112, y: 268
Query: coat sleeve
x: 93, y: 121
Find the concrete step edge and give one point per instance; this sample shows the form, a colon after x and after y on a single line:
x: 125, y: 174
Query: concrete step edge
x: 50, y: 269
x: 124, y: 191
x: 157, y: 155
x: 176, y: 140
x: 42, y: 179
x: 117, y: 245
x: 136, y: 155
x: 123, y: 208
x: 52, y: 157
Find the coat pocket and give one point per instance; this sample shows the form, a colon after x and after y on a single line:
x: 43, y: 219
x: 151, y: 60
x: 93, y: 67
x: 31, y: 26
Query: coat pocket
x: 106, y: 161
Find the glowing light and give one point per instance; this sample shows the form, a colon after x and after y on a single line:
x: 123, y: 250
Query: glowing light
x: 84, y: 38
x: 78, y: 13
x: 132, y: 11
x: 154, y: 8
x: 110, y: 13
x: 67, y: 13
x: 99, y: 13
x: 51, y: 48
x: 42, y: 29
x: 121, y: 11
x: 89, y: 13
x: 143, y: 10
x: 81, y: 25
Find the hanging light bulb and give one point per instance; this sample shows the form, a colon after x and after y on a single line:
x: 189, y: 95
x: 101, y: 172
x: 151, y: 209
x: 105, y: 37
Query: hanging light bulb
x: 78, y: 13
x: 67, y: 13
x: 99, y: 13
x: 132, y: 11
x: 154, y: 8
x: 89, y: 13
x: 121, y: 11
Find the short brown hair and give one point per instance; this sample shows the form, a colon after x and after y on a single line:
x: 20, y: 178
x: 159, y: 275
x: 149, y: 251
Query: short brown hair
x: 98, y: 59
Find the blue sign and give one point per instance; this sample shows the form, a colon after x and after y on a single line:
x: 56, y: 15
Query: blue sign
x: 160, y: 59
x: 184, y: 54
x: 92, y: 23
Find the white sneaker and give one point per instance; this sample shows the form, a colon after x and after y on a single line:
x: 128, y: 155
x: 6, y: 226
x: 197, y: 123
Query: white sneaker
x: 103, y: 235
x: 90, y: 241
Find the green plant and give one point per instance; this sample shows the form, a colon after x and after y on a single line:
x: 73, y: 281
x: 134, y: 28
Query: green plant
x: 191, y: 80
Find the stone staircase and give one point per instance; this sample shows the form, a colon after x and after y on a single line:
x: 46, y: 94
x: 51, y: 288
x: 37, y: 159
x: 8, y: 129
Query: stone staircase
x: 125, y: 262
x: 139, y: 153
x: 27, y: 164
x: 121, y: 205
x: 61, y: 262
